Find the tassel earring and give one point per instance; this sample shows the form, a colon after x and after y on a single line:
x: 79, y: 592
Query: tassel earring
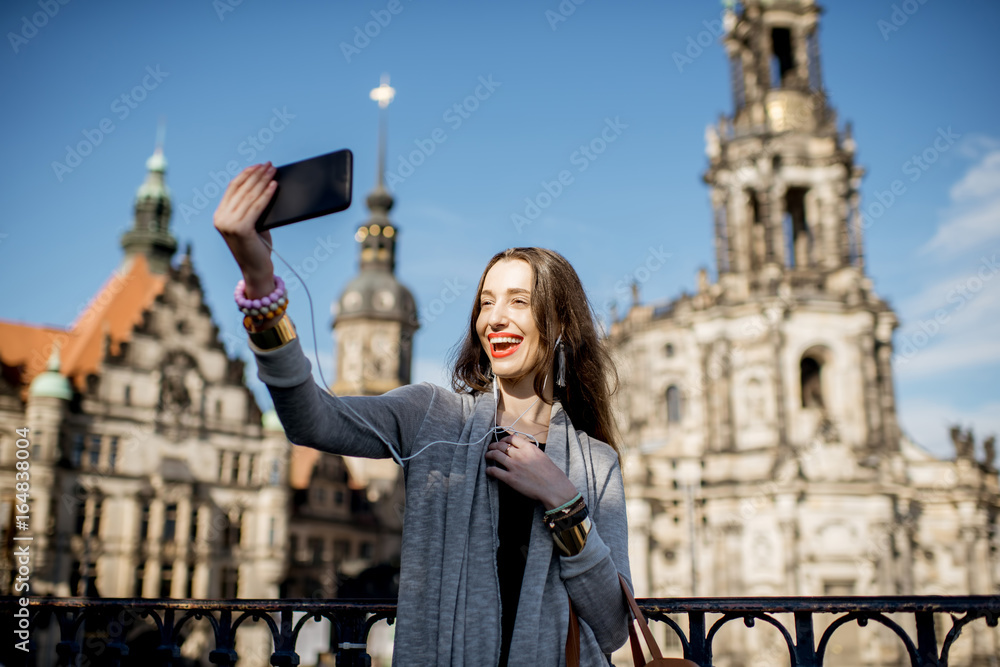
x: 560, y: 365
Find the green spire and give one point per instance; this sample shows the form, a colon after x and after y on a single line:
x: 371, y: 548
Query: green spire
x: 51, y: 383
x: 150, y: 234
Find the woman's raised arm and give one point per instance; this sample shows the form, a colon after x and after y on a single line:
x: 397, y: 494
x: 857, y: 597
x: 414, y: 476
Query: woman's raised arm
x: 314, y: 418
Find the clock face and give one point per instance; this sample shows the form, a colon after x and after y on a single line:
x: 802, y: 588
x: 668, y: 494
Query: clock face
x: 352, y: 300
x: 385, y: 300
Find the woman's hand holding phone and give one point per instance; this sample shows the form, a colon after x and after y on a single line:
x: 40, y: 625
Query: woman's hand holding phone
x: 242, y: 204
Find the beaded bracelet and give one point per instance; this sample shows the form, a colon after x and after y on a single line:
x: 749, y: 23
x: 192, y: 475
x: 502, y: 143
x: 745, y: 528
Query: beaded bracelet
x: 260, y: 310
x: 262, y: 306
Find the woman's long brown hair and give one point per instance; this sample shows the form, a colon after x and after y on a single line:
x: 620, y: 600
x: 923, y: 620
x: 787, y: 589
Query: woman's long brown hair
x: 559, y: 305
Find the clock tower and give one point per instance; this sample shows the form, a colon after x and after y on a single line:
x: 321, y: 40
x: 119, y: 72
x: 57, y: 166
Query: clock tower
x: 376, y: 316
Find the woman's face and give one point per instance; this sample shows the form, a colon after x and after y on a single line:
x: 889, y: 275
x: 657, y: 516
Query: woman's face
x: 506, y: 326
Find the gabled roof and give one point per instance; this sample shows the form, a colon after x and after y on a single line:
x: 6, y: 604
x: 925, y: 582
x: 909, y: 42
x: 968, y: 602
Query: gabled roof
x: 115, y: 311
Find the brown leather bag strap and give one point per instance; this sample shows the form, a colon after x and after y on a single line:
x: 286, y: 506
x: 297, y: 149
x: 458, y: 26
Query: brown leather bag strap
x: 637, y: 614
x: 638, y: 657
x: 573, y: 639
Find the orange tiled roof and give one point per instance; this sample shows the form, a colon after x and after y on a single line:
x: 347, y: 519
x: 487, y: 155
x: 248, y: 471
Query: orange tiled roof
x: 116, y: 309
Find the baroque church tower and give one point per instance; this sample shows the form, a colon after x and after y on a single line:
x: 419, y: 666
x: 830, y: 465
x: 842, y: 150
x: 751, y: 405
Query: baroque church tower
x: 765, y: 457
x: 788, y: 228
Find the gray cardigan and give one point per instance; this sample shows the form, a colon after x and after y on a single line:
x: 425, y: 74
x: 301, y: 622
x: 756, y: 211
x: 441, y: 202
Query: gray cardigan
x: 449, y: 595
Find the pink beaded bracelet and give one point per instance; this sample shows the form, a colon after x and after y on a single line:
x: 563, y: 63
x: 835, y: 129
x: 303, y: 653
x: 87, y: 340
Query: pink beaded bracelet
x: 259, y: 308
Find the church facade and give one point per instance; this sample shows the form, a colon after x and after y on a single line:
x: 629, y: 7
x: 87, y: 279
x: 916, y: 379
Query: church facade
x: 765, y: 455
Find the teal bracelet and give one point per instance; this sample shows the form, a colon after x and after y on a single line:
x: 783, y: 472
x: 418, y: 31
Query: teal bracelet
x: 575, y: 498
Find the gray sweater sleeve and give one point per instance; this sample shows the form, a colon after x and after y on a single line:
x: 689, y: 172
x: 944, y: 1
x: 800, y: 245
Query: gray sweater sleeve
x: 591, y: 576
x: 315, y: 418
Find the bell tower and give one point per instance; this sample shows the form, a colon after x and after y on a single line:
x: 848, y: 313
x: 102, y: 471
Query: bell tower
x: 376, y: 315
x: 784, y: 183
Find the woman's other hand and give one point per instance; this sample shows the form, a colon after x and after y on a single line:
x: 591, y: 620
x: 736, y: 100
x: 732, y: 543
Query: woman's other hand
x: 529, y: 471
x: 236, y: 217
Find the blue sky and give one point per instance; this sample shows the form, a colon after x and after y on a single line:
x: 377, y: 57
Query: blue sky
x: 221, y: 72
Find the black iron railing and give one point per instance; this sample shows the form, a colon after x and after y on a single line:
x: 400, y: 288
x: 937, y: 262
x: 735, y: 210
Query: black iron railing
x: 99, y: 631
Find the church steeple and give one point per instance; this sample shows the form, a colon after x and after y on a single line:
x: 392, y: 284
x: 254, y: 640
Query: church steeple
x: 376, y: 316
x: 784, y: 183
x: 377, y: 236
x: 150, y: 234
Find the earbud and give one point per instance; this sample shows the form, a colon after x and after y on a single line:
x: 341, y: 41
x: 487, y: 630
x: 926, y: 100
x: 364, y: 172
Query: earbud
x: 496, y: 396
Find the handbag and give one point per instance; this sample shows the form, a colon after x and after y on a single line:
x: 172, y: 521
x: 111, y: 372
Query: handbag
x: 573, y: 638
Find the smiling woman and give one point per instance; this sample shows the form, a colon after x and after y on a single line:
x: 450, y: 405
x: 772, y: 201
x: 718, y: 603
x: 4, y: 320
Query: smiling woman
x: 514, y: 495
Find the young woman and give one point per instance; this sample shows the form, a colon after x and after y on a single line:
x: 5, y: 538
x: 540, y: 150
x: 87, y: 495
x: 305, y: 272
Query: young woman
x: 503, y: 526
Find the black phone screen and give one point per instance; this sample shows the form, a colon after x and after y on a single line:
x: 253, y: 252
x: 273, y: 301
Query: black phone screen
x: 308, y: 189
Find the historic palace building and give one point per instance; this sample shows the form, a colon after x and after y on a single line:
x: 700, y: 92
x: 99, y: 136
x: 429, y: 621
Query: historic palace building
x: 765, y: 453
x: 152, y: 474
x: 153, y: 471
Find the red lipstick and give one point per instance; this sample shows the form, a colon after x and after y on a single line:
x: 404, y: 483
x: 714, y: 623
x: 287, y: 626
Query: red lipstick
x: 503, y: 344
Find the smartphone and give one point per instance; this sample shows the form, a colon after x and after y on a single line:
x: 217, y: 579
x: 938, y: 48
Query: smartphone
x: 308, y: 189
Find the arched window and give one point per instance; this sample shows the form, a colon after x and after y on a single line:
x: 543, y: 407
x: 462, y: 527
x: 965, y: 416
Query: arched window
x: 673, y: 405
x: 810, y: 374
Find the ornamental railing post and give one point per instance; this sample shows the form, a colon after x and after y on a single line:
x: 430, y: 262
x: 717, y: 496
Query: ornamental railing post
x: 68, y: 648
x: 805, y: 640
x: 700, y: 652
x: 168, y: 651
x: 927, y: 651
x: 116, y: 634
x: 284, y: 645
x: 224, y: 652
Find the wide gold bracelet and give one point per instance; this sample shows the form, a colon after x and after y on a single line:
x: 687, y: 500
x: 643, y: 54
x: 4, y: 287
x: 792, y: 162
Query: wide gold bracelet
x: 572, y: 540
x: 275, y: 337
